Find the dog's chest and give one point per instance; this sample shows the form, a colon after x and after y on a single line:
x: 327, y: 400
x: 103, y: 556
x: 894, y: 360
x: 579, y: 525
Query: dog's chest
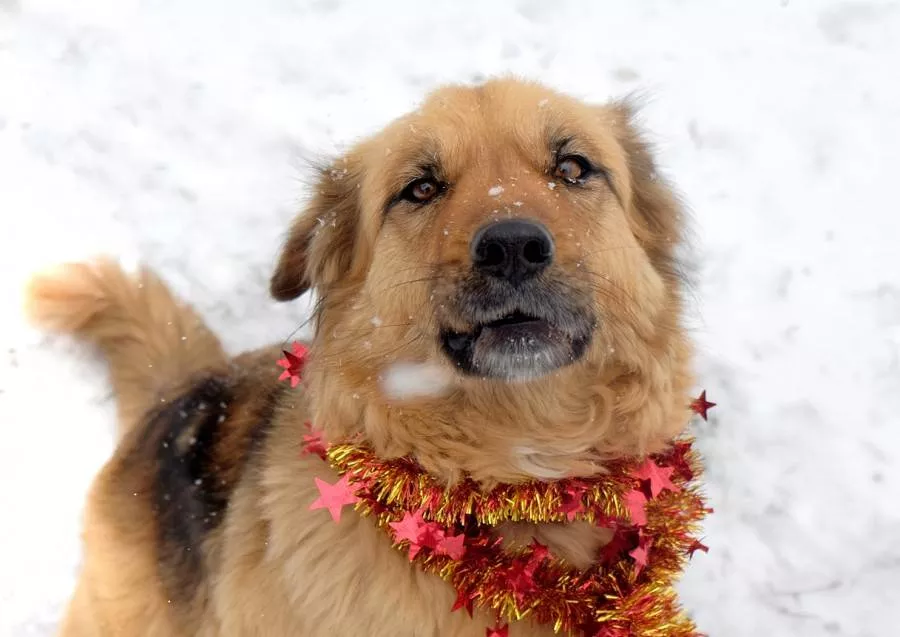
x: 287, y: 570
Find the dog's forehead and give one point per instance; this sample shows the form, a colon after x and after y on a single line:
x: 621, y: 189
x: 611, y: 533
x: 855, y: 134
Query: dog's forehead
x: 495, y: 113
x: 457, y: 126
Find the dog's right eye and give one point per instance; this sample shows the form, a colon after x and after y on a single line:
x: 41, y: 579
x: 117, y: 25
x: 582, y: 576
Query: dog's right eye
x: 422, y: 190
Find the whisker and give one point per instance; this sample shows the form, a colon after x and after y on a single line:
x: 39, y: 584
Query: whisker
x: 415, y: 338
x: 437, y: 277
x: 290, y: 337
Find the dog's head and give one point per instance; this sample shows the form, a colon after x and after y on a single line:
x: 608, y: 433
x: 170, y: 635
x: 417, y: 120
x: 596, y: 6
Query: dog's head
x: 512, y: 249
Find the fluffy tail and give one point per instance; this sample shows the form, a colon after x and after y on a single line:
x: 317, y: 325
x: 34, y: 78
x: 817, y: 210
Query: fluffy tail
x: 152, y: 341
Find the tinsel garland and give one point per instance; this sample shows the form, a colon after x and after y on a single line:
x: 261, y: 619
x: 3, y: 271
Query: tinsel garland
x: 653, y: 507
x: 629, y: 592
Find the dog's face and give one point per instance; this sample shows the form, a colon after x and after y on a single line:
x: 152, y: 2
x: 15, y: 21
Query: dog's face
x: 502, y: 232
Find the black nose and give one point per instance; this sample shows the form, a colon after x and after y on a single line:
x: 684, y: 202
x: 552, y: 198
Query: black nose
x: 513, y: 250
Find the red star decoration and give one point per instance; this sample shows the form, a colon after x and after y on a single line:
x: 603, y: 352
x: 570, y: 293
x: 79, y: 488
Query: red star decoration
x: 334, y: 497
x: 700, y: 405
x: 463, y: 600
x: 520, y: 578
x: 498, y: 631
x: 659, y: 477
x: 411, y: 529
x: 539, y: 553
x: 432, y: 535
x: 680, y: 462
x: 421, y: 534
x: 636, y: 502
x: 313, y: 442
x: 621, y: 540
x: 641, y: 554
x: 293, y: 363
x: 452, y: 546
x: 571, y: 501
x: 697, y: 545
x: 611, y: 631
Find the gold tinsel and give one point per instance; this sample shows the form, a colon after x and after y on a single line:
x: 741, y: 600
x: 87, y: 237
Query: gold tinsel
x: 612, y: 599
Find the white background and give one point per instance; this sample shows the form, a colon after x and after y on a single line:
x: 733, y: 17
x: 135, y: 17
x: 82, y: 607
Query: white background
x: 178, y: 133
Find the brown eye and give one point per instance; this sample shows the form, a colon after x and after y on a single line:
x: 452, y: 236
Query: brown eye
x: 421, y: 190
x: 571, y: 169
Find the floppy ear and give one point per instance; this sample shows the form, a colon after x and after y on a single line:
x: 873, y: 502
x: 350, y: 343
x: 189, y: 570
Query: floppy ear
x: 657, y: 216
x: 320, y: 244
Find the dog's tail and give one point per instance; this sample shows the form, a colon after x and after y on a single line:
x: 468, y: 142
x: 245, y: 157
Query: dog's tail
x: 151, y: 340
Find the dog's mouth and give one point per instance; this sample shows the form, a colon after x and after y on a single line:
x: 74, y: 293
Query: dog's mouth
x: 516, y: 318
x: 514, y: 325
x: 517, y: 345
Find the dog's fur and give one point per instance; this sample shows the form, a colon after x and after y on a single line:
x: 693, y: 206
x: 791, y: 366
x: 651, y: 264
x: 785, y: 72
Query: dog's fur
x: 199, y: 524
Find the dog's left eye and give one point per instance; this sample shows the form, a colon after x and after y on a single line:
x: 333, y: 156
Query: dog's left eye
x: 572, y: 169
x: 422, y: 190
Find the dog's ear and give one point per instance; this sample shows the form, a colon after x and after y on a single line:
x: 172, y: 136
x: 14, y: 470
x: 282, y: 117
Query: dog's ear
x: 320, y: 244
x: 656, y: 214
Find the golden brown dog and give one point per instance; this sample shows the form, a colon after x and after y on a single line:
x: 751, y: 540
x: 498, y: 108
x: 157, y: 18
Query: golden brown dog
x: 510, y: 244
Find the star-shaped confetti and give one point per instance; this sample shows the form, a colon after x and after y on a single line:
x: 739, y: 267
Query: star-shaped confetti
x: 334, y: 497
x: 697, y: 545
x: 463, y: 600
x: 432, y: 535
x: 572, y: 503
x: 659, y: 477
x: 498, y: 631
x: 680, y: 461
x: 641, y: 554
x: 313, y: 442
x: 539, y: 553
x: 293, y: 363
x: 409, y: 528
x: 636, y: 502
x: 452, y: 546
x: 520, y: 577
x: 421, y: 534
x: 622, y: 539
x: 700, y: 405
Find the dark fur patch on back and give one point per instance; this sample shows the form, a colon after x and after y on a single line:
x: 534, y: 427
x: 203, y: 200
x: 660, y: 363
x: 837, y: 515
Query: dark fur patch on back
x: 199, y: 445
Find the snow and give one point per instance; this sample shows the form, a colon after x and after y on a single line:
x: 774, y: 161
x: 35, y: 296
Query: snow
x: 179, y: 134
x: 406, y: 380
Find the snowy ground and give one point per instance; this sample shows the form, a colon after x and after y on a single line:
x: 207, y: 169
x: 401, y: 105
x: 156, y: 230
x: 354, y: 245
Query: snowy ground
x: 176, y: 133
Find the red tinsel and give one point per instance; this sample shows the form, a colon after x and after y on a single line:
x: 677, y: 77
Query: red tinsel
x: 654, y: 521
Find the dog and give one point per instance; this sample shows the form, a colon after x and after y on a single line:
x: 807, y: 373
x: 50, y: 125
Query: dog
x: 514, y: 247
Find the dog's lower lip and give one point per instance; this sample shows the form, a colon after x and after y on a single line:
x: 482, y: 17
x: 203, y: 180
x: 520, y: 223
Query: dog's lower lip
x: 515, y: 346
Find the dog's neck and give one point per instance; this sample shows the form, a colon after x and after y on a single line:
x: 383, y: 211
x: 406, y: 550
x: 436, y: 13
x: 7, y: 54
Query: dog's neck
x: 500, y: 432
